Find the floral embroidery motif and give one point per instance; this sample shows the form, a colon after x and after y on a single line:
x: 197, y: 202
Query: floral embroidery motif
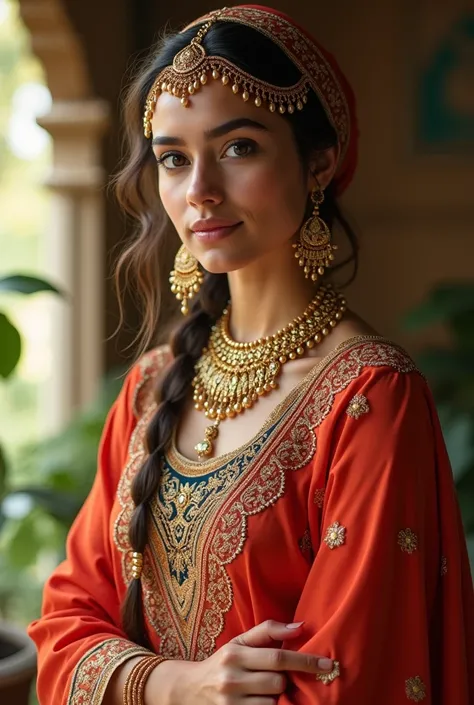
x: 335, y: 535
x: 305, y: 543
x: 318, y: 498
x: 358, y: 406
x: 415, y: 689
x: 408, y: 541
x: 186, y: 588
x: 93, y: 672
x: 328, y: 678
x: 444, y: 565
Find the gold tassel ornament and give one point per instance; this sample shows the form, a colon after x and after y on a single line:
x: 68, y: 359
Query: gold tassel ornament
x: 186, y: 278
x: 314, y: 251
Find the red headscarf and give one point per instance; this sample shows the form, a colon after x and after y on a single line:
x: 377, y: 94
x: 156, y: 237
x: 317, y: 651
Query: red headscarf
x: 318, y: 66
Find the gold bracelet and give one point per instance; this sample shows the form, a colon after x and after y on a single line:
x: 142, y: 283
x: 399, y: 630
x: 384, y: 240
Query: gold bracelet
x: 134, y: 687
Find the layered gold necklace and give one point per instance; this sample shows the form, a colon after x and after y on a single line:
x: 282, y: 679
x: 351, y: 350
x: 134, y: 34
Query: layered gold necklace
x: 231, y: 376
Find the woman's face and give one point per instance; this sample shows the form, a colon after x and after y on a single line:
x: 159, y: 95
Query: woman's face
x: 230, y: 177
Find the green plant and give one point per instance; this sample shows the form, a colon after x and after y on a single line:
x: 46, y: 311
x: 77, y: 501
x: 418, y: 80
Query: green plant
x: 450, y: 372
x: 10, y: 354
x: 36, y: 516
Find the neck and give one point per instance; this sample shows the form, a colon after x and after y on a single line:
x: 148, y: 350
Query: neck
x: 267, y: 295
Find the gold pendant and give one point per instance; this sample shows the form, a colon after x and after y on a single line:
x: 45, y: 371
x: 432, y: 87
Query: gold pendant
x: 205, y: 448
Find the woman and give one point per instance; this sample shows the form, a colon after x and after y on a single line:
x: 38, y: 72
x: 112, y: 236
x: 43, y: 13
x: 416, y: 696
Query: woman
x: 273, y: 517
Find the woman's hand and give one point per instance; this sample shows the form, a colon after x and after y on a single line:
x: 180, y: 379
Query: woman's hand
x: 248, y: 670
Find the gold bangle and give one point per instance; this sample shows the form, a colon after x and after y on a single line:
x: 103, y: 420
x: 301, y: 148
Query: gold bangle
x: 134, y: 687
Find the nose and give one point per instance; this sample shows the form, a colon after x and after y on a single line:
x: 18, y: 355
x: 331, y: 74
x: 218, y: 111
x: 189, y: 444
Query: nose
x: 205, y: 186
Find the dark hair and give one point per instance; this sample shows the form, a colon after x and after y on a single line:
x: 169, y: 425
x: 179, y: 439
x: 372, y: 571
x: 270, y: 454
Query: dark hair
x: 137, y: 192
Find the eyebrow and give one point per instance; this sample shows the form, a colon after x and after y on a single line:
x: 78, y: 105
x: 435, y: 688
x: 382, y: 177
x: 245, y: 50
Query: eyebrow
x: 218, y: 131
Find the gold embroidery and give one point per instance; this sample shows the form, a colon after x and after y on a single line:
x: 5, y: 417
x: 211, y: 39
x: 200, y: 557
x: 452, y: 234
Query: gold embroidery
x: 151, y: 365
x: 93, y: 672
x: 408, y: 541
x: 358, y: 406
x: 203, y: 589
x: 319, y: 497
x: 444, y: 565
x: 328, y: 678
x: 415, y: 689
x: 305, y: 543
x: 335, y: 535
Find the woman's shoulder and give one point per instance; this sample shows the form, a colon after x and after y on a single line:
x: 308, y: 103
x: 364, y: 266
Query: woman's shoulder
x: 360, y: 369
x: 140, y: 384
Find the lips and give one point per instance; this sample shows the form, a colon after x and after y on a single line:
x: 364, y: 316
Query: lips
x: 211, y: 224
x: 212, y: 230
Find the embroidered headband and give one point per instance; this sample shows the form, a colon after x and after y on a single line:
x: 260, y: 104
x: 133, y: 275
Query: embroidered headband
x: 192, y: 68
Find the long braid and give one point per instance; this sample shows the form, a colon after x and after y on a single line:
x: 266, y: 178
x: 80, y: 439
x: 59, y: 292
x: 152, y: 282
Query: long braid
x: 186, y: 346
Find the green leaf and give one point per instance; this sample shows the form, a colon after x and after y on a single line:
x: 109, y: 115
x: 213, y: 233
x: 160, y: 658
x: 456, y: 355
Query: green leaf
x: 459, y: 438
x: 24, y: 544
x: 10, y: 348
x: 443, y: 365
x: 470, y: 550
x: 62, y: 506
x: 3, y: 472
x: 443, y: 303
x: 24, y: 284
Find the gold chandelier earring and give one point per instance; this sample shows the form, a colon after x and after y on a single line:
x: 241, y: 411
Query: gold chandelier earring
x: 314, y: 251
x: 186, y: 277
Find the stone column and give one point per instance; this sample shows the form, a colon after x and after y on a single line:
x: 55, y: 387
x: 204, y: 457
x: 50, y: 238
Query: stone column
x: 74, y: 255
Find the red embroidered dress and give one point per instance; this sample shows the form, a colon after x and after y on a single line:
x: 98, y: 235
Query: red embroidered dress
x: 341, y: 512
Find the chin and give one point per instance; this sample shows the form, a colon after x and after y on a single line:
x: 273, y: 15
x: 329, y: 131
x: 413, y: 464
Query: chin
x: 220, y: 263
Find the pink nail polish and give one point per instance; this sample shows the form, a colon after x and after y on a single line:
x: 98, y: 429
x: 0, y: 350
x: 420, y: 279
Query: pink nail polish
x: 294, y: 625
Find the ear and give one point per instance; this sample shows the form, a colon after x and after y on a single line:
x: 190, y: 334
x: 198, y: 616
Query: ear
x: 322, y: 167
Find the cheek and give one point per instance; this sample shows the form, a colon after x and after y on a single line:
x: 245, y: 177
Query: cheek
x: 275, y: 196
x: 172, y: 200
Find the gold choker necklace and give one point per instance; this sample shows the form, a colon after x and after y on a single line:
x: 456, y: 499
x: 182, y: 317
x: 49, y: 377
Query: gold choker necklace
x: 231, y: 376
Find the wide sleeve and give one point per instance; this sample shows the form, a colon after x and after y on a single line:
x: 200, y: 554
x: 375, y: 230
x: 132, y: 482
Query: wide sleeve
x: 78, y: 637
x: 389, y: 594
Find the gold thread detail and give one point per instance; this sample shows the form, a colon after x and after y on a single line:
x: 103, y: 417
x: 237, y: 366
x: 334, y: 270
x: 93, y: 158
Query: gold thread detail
x: 358, y: 406
x: 415, y: 689
x: 444, y: 565
x: 408, y: 541
x: 95, y: 669
x: 318, y: 498
x: 335, y: 535
x: 305, y: 543
x: 328, y: 678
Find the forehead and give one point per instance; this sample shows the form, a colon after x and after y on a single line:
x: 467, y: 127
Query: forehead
x: 211, y: 105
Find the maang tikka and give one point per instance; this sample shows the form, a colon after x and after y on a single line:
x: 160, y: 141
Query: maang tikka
x: 314, y: 251
x: 186, y: 277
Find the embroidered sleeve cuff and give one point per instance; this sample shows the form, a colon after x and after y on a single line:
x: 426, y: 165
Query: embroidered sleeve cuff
x: 94, y: 671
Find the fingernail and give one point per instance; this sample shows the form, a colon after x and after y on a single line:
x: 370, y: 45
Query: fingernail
x: 325, y: 664
x: 294, y: 625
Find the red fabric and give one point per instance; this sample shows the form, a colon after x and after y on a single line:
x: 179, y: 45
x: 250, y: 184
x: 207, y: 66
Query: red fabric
x: 360, y: 446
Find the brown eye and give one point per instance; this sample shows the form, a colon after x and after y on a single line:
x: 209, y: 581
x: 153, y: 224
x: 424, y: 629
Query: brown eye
x: 240, y: 149
x: 172, y: 161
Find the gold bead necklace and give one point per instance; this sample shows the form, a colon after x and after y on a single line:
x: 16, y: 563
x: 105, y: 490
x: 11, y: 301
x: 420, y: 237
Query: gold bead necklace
x: 230, y: 376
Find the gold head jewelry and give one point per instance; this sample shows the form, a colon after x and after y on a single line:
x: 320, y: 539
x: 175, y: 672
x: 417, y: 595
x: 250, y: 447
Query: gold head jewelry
x: 314, y: 251
x: 231, y: 376
x: 192, y: 68
x: 186, y: 277
x: 137, y: 565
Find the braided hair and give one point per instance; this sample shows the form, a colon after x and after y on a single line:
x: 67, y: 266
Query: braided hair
x: 147, y: 255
